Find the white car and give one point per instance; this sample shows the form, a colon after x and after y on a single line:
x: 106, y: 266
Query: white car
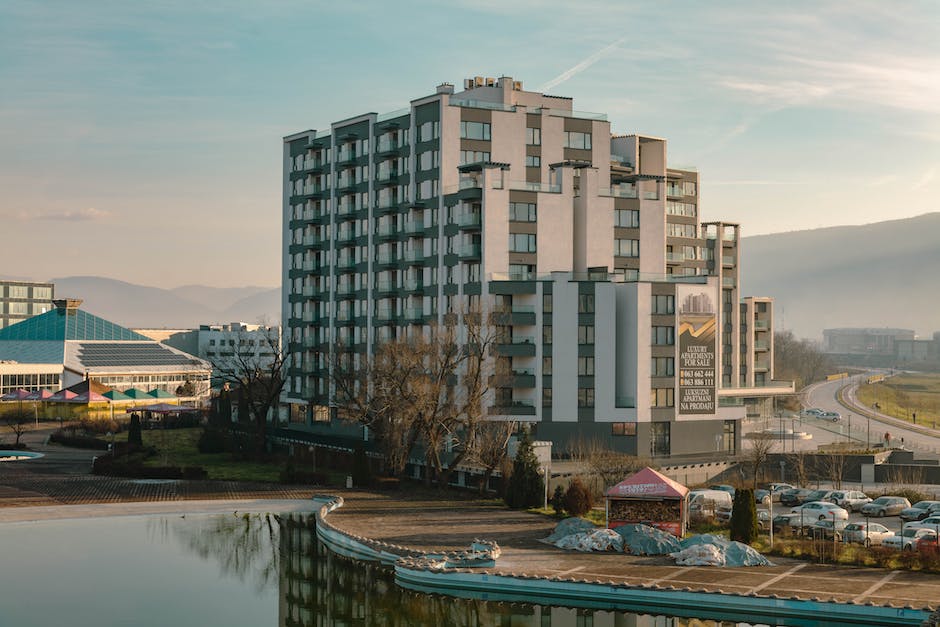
x: 820, y: 510
x: 869, y: 534
x: 931, y: 522
x: 907, y: 538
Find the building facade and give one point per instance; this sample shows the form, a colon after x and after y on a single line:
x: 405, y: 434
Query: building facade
x: 864, y: 341
x: 625, y: 320
x: 230, y: 347
x: 21, y: 299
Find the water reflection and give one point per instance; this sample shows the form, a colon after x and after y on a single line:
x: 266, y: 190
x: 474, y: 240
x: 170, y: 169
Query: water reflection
x: 320, y: 589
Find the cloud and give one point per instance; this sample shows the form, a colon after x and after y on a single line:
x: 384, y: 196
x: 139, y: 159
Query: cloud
x: 926, y: 178
x: 89, y: 214
x: 583, y: 65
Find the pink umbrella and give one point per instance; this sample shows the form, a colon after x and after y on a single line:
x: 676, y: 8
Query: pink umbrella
x: 38, y: 395
x: 89, y: 397
x: 15, y: 395
x: 62, y: 396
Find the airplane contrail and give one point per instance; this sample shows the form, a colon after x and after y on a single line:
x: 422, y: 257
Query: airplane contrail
x: 583, y: 65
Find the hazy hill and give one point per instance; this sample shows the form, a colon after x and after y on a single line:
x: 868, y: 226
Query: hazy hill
x: 885, y: 274
x: 140, y: 306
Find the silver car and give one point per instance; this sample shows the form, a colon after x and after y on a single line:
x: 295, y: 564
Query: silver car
x: 820, y: 510
x: 886, y: 506
x: 852, y: 500
x: 919, y: 510
x: 869, y: 534
x: 931, y: 522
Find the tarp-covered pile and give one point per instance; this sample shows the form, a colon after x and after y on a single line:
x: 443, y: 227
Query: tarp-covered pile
x: 712, y: 550
x: 598, y: 540
x: 646, y: 540
x: 567, y: 527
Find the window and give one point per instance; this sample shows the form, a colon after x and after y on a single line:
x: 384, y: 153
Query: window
x: 627, y: 218
x: 533, y: 136
x: 473, y: 156
x: 585, y: 303
x: 585, y: 397
x: 729, y: 430
x: 522, y: 242
x: 546, y: 303
x: 680, y: 230
x: 662, y: 397
x: 521, y: 271
x: 547, y: 334
x: 546, y: 365
x: 664, y: 336
x: 623, y: 428
x: 546, y: 397
x: 663, y: 367
x: 533, y: 161
x: 429, y: 130
x: 585, y: 366
x: 522, y: 212
x: 627, y: 247
x: 664, y: 304
x: 586, y: 334
x: 675, y: 208
x: 19, y: 291
x: 660, y: 438
x: 574, y: 139
x: 42, y: 293
x: 475, y: 130
x: 429, y: 159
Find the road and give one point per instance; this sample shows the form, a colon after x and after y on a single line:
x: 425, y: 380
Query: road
x: 866, y: 425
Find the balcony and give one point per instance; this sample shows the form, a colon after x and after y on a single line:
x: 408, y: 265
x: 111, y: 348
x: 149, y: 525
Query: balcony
x: 675, y: 257
x: 674, y: 190
x: 513, y: 408
x: 414, y: 285
x: 345, y: 156
x: 385, y: 314
x: 385, y: 257
x: 728, y: 261
x: 650, y: 195
x: 416, y: 314
x: 345, y: 289
x: 415, y: 256
x: 385, y: 288
x: 622, y: 191
x: 345, y: 209
x: 519, y: 315
x: 518, y: 346
x: 762, y: 325
x: 517, y: 378
x: 470, y: 220
x: 344, y: 236
x: 386, y: 232
x: 346, y: 263
x: 761, y: 346
x: 470, y: 251
x: 535, y: 187
x: 386, y: 145
x: 308, y: 292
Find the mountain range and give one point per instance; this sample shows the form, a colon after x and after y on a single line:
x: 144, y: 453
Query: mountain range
x: 885, y: 274
x: 183, y: 307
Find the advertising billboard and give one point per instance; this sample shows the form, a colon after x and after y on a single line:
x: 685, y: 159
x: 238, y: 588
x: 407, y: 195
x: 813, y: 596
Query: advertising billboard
x: 698, y: 363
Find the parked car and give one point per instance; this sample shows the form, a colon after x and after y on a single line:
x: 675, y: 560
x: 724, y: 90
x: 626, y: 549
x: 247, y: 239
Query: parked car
x: 786, y: 523
x: 709, y: 502
x: 724, y: 488
x: 825, y: 529
x: 762, y: 497
x: 820, y: 510
x: 886, y: 506
x: 795, y: 496
x: 919, y: 510
x: 869, y: 534
x: 776, y: 489
x: 931, y: 522
x: 814, y: 411
x: 928, y: 544
x: 906, y: 538
x: 851, y: 500
x: 819, y: 495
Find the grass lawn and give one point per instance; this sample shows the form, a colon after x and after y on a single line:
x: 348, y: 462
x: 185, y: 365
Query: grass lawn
x: 177, y: 447
x: 905, y: 395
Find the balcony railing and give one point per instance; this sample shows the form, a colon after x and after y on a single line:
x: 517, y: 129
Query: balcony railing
x: 624, y: 402
x: 469, y: 219
x: 622, y: 192
x: 535, y: 187
x: 470, y: 250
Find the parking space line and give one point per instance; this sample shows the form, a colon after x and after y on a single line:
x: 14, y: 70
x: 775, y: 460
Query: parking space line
x: 671, y: 575
x: 874, y: 587
x: 774, y: 580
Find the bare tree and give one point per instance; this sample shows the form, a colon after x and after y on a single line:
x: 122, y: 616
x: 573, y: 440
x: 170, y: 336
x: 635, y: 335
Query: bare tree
x: 799, y: 360
x: 797, y: 463
x: 18, y: 419
x: 755, y: 456
x: 834, y: 466
x: 490, y: 448
x: 254, y: 365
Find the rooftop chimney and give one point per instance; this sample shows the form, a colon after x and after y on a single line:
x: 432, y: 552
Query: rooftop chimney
x: 67, y: 304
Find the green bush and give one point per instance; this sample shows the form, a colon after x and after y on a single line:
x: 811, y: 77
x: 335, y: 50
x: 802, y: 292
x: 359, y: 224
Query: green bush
x: 526, y: 487
x: 744, y: 516
x: 134, y: 437
x: 578, y: 499
x: 558, y: 500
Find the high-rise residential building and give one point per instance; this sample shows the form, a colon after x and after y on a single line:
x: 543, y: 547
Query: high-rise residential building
x: 20, y: 300
x: 625, y: 320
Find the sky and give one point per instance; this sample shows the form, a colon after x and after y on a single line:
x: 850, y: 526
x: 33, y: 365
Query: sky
x: 142, y: 141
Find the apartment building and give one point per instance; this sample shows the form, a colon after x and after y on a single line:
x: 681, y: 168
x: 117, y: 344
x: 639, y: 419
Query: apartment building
x: 230, y: 348
x: 625, y: 321
x: 20, y: 300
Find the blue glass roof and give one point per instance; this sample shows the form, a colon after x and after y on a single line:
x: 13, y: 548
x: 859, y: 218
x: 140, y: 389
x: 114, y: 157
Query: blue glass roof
x: 67, y: 324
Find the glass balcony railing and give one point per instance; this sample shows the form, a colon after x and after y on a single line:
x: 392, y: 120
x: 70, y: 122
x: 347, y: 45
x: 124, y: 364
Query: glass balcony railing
x: 622, y: 191
x: 470, y: 219
x: 535, y: 187
x: 482, y: 104
x: 624, y: 402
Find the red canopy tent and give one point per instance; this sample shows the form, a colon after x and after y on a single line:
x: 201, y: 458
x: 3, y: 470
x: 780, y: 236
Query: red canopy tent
x: 62, y: 396
x: 38, y: 395
x: 650, y: 498
x: 16, y: 395
x: 89, y: 397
